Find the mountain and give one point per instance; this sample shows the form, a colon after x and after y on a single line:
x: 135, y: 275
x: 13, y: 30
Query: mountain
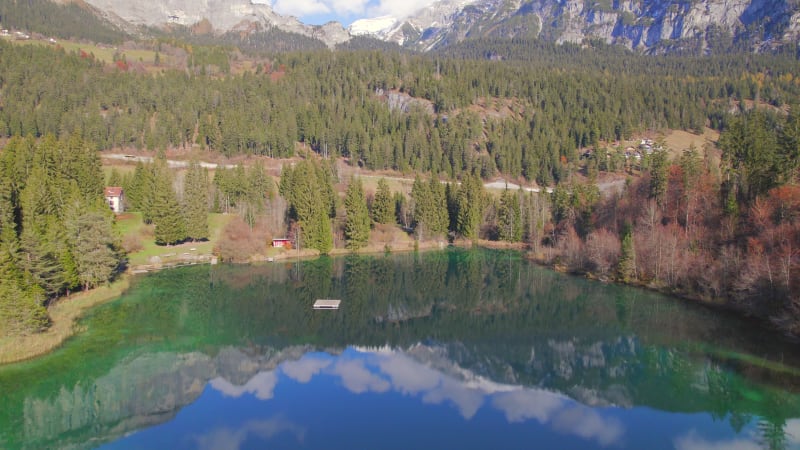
x: 70, y: 20
x: 697, y: 26
x: 652, y: 26
x: 214, y: 16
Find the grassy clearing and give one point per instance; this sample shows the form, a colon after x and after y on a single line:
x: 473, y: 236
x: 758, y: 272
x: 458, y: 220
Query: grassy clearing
x: 678, y: 140
x: 101, y: 52
x: 396, y: 184
x: 130, y: 226
x: 63, y: 314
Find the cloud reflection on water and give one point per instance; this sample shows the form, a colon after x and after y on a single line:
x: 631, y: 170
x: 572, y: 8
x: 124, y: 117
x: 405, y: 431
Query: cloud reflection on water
x: 365, y: 371
x: 302, y: 370
x: 232, y: 439
x: 692, y: 441
x: 792, y: 429
x: 357, y: 378
x: 261, y: 385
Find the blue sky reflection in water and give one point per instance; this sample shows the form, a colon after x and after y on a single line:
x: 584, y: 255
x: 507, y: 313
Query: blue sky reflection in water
x: 382, y: 398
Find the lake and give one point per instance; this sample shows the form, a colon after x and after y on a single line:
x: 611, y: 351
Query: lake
x: 450, y: 349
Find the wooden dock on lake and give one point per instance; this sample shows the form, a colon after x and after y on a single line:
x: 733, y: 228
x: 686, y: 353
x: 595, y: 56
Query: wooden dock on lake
x: 326, y: 303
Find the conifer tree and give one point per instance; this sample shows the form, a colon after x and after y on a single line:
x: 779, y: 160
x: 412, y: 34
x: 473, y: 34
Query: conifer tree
x: 356, y: 228
x: 659, y: 176
x: 82, y: 164
x: 95, y: 248
x: 258, y: 190
x: 40, y: 263
x: 195, y: 202
x: 317, y: 231
x: 471, y: 203
x: 382, y: 205
x: 142, y: 190
x: 114, y: 178
x: 509, y: 220
x: 21, y: 308
x: 421, y: 194
x: 626, y: 266
x: 169, y: 223
x: 440, y: 219
x: 304, y: 188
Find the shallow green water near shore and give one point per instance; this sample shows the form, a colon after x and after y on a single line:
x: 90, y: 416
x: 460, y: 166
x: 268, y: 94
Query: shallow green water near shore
x: 451, y: 349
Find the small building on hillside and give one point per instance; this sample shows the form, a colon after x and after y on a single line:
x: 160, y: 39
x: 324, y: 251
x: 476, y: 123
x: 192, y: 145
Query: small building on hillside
x: 282, y: 243
x: 114, y: 198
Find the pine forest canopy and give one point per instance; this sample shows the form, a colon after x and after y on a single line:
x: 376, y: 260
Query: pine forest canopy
x: 560, y: 98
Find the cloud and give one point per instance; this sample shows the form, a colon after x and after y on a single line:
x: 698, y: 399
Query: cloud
x: 522, y: 405
x: 565, y: 416
x: 408, y: 376
x: 588, y: 424
x: 347, y: 8
x: 411, y: 377
x: 792, y: 430
x: 302, y: 371
x: 261, y: 385
x: 229, y: 438
x: 397, y: 8
x: 467, y: 392
x: 357, y: 379
x: 691, y: 441
x: 467, y: 400
x: 299, y: 8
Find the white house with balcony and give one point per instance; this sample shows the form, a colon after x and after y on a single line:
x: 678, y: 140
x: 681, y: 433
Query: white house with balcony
x: 114, y: 198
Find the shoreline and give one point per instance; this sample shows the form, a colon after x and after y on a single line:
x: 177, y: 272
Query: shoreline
x: 64, y: 313
x: 67, y: 310
x: 717, y: 304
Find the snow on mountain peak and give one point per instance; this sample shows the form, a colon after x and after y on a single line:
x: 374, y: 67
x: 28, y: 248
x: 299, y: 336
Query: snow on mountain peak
x: 374, y: 26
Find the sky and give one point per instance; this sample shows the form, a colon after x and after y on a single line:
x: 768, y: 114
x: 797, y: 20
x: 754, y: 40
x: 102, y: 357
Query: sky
x: 316, y: 12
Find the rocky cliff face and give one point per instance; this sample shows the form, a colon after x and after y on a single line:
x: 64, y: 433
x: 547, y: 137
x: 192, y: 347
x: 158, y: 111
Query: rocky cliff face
x: 644, y: 25
x: 638, y: 24
x: 223, y: 15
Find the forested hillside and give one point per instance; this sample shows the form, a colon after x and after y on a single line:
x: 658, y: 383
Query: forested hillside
x: 70, y: 20
x: 723, y: 231
x: 564, y: 99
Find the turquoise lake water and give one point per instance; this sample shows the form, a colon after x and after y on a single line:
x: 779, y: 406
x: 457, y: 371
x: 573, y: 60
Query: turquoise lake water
x: 454, y: 349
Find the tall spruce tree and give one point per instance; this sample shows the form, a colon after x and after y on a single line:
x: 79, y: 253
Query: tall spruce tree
x: 170, y: 227
x: 421, y: 194
x: 304, y: 188
x: 356, y: 227
x: 142, y: 190
x: 95, y: 249
x: 21, y: 309
x: 659, y: 175
x: 382, y: 205
x: 626, y: 266
x: 509, y: 219
x: 440, y: 220
x: 195, y: 202
x: 471, y: 203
